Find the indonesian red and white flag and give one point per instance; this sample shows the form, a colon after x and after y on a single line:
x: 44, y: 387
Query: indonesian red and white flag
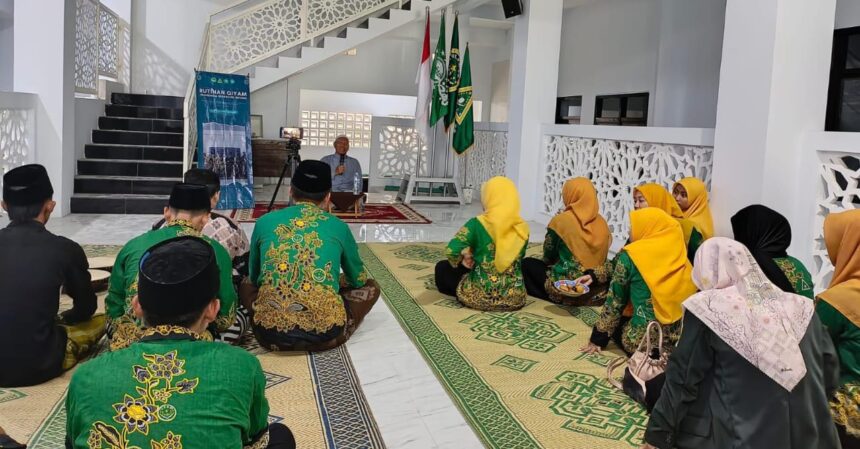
x: 422, y: 105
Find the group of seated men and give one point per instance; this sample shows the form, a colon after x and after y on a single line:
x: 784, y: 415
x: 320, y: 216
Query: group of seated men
x: 169, y: 378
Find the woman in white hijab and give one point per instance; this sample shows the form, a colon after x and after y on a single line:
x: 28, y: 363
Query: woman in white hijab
x: 753, y: 368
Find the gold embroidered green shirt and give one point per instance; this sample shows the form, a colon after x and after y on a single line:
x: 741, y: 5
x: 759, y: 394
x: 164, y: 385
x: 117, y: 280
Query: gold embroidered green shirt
x: 125, y: 328
x: 564, y: 265
x: 297, y: 254
x: 484, y: 287
x: 168, y: 391
x: 797, y: 275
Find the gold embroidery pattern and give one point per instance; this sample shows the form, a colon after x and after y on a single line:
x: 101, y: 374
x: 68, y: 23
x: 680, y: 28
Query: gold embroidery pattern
x: 261, y: 443
x: 845, y: 408
x: 462, y: 236
x: 293, y: 293
x: 789, y: 270
x: 151, y: 404
x: 187, y: 228
x: 610, y: 314
x: 487, y: 289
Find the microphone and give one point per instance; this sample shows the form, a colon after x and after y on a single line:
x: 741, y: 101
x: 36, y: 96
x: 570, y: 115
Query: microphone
x: 342, y: 159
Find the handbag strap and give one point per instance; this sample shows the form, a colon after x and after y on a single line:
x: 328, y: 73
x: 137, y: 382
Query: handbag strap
x: 649, y: 347
x: 613, y: 365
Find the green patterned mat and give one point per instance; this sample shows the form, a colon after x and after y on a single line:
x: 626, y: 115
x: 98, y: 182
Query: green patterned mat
x: 518, y: 377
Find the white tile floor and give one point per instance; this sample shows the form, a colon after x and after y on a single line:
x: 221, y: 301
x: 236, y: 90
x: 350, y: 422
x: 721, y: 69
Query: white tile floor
x: 411, y: 407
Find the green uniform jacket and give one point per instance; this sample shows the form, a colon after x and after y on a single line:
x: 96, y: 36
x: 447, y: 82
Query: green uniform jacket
x: 564, y: 265
x: 797, y: 275
x: 484, y: 288
x: 125, y: 327
x: 714, y: 398
x: 296, y: 257
x: 629, y: 287
x: 168, y: 391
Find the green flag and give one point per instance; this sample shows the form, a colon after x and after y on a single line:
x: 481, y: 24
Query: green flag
x: 464, y: 135
x: 439, y: 105
x: 453, y: 74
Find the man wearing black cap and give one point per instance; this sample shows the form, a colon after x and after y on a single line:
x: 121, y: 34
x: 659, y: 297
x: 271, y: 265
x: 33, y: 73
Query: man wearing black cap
x: 297, y: 253
x: 35, y: 344
x: 186, y: 214
x: 171, y: 389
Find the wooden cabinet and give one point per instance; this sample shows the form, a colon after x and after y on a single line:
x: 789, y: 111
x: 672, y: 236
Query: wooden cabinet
x: 269, y: 157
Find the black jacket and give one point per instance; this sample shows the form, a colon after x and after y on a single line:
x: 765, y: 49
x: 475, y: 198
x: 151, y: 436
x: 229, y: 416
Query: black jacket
x: 34, y: 265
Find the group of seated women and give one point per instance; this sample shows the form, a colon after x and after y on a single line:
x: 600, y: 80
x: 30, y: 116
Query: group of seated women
x: 756, y: 358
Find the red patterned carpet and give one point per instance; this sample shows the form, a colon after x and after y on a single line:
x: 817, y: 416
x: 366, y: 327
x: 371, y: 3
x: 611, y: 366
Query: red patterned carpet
x: 373, y: 213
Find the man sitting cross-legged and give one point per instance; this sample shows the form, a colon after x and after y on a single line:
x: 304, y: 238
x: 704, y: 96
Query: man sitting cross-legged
x: 169, y: 389
x: 35, y: 344
x: 186, y: 214
x: 303, y: 304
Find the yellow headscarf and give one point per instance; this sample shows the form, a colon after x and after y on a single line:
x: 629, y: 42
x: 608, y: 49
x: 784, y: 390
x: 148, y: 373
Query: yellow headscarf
x: 659, y: 253
x: 699, y: 212
x: 501, y: 219
x: 842, y: 239
x: 580, y: 226
x: 657, y: 196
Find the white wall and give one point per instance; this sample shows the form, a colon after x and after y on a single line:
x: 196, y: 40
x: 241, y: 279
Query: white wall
x: 609, y: 47
x: 688, y: 66
x: 166, y: 42
x: 847, y: 13
x: 7, y: 43
x: 501, y: 91
x: 669, y: 48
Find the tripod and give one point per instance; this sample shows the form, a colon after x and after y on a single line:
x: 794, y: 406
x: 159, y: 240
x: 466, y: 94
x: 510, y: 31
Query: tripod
x: 292, y: 161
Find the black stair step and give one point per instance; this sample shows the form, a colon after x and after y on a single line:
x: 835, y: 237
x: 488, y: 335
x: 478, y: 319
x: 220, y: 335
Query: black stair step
x: 158, y: 101
x: 108, y: 151
x: 124, y: 184
x: 119, y: 167
x: 90, y: 203
x: 137, y: 138
x: 407, y: 5
x: 119, y: 110
x: 141, y: 124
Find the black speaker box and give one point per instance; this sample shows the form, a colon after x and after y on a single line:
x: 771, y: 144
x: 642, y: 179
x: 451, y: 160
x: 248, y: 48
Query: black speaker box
x: 512, y: 8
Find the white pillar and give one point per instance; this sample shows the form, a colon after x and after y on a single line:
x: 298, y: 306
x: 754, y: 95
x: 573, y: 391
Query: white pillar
x: 773, y: 90
x: 534, y: 85
x: 45, y: 65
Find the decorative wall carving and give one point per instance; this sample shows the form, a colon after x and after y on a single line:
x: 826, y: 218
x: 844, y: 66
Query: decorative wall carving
x: 840, y: 190
x: 87, y: 46
x: 398, y: 152
x: 485, y: 160
x: 275, y: 26
x: 109, y: 36
x: 16, y: 138
x: 616, y: 167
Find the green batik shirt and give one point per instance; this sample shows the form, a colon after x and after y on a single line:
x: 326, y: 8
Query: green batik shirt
x: 168, y: 391
x: 628, y: 286
x: 564, y: 265
x: 797, y: 275
x: 693, y: 244
x: 484, y: 288
x: 296, y: 257
x: 125, y: 328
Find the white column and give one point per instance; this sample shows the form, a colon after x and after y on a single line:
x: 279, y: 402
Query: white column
x: 534, y: 85
x: 45, y: 65
x: 773, y: 90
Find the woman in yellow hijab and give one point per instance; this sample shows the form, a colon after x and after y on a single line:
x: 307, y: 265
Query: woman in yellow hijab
x: 655, y: 195
x: 692, y: 197
x: 653, y: 275
x: 577, y: 243
x: 839, y: 310
x: 483, y: 269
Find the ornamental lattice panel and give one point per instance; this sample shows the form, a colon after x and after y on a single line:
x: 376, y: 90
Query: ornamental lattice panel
x: 109, y: 33
x: 398, y: 152
x: 839, y: 190
x: 87, y: 46
x: 16, y: 138
x: 616, y: 167
x: 485, y: 160
x: 254, y: 35
x: 327, y: 14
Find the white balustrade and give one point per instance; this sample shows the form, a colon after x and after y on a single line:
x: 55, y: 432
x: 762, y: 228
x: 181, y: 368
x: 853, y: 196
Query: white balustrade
x: 102, y: 46
x: 17, y: 130
x: 487, y: 157
x: 617, y: 159
x: 394, y: 150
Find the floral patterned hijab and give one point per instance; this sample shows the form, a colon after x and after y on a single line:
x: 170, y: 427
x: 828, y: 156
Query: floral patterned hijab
x: 747, y: 311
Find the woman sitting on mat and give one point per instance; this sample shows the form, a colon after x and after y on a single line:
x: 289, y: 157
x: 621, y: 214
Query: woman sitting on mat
x: 654, y: 195
x: 839, y: 310
x: 767, y: 235
x: 483, y: 269
x: 692, y: 197
x: 753, y: 368
x: 652, y: 274
x: 577, y: 243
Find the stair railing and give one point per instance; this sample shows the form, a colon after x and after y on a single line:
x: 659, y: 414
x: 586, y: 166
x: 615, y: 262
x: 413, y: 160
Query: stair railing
x: 263, y: 31
x: 102, y: 47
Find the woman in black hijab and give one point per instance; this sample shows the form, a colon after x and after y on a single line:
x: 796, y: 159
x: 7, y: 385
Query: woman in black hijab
x: 767, y: 234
